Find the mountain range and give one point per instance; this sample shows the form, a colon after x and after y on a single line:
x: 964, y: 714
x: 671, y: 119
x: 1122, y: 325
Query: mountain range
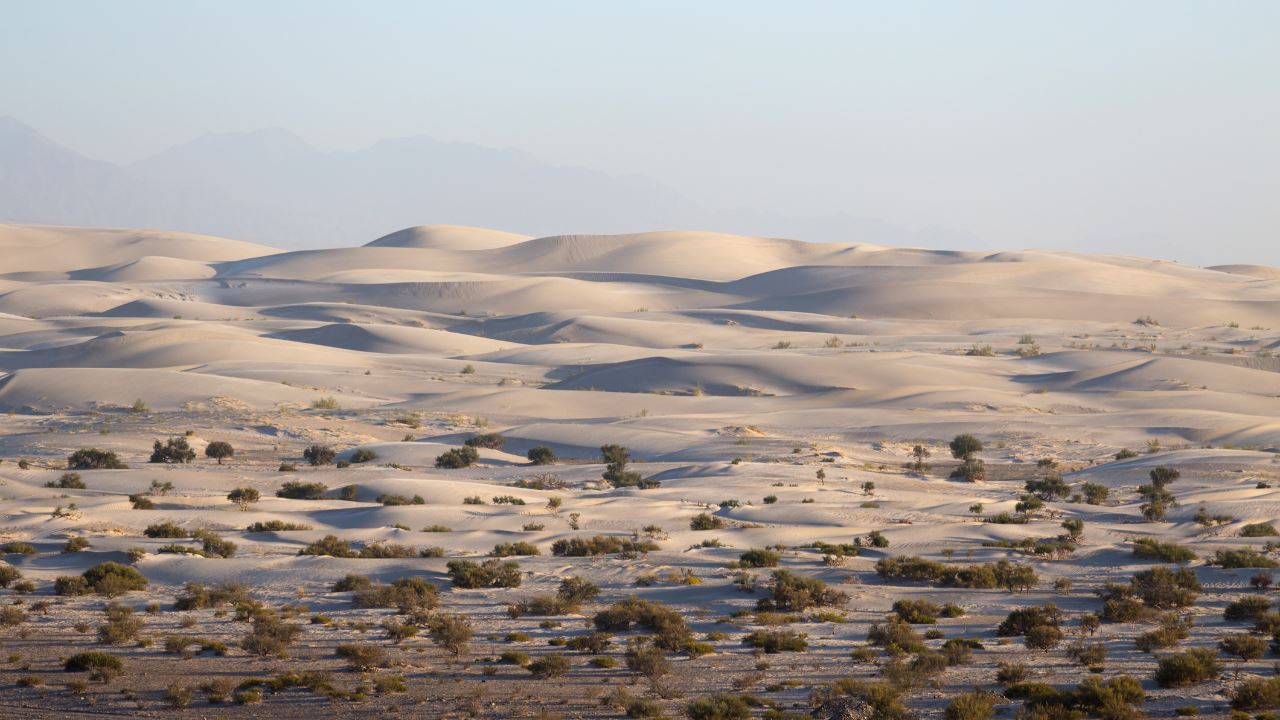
x: 270, y: 186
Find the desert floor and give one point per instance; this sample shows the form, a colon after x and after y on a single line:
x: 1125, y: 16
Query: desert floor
x: 732, y: 368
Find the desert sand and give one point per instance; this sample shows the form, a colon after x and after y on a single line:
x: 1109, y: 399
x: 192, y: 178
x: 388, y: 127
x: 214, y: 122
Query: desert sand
x: 733, y: 368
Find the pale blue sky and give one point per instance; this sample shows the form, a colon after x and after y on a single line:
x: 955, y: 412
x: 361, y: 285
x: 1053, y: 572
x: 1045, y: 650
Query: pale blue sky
x: 1126, y: 126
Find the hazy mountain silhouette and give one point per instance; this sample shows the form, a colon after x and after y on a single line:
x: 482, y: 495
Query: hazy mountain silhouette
x: 272, y: 187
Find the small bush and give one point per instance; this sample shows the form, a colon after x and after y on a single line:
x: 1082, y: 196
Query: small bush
x: 718, y: 707
x: 1259, y: 530
x: 550, y: 666
x: 775, y: 641
x: 705, y: 521
x: 94, y: 459
x: 298, y: 490
x: 276, y: 526
x: 514, y: 549
x: 601, y: 545
x: 219, y: 450
x: 487, y: 574
x: 363, y: 455
x: 1153, y: 549
x: 102, y: 664
x: 270, y: 636
x: 455, y: 458
x: 759, y: 557
x: 492, y: 441
x: 174, y: 450
x: 362, y: 658
x: 1189, y: 667
x: 316, y: 455
x: 541, y: 455
x: 244, y: 497
x: 68, y: 481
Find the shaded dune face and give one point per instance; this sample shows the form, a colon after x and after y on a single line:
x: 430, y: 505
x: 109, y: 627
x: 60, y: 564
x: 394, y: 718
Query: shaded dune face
x: 771, y: 393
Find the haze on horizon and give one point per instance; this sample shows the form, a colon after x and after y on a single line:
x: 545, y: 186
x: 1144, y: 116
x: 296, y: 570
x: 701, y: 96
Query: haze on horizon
x: 1148, y: 128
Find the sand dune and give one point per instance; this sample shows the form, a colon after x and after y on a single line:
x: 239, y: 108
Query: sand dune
x: 780, y: 387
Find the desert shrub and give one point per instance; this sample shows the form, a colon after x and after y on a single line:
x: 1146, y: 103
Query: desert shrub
x: 12, y: 616
x: 1257, y: 694
x: 102, y: 664
x: 514, y: 549
x: 363, y: 455
x: 70, y: 585
x: 794, y: 593
x: 455, y: 458
x: 381, y: 550
x: 9, y: 575
x: 68, y: 481
x: 1094, y: 494
x: 1259, y: 530
x: 94, y: 459
x: 407, y: 595
x: 549, y: 666
x: 244, y: 497
x: 1249, y: 607
x: 1166, y: 588
x: 1048, y: 488
x: 219, y: 450
x: 507, y: 500
x: 759, y: 557
x: 917, y: 612
x: 275, y: 526
x: 1087, y: 654
x: 1043, y: 637
x: 195, y: 596
x: 351, y: 583
x: 319, y: 455
x: 976, y: 705
x: 1242, y: 558
x: 173, y: 450
x: 601, y: 545
x: 706, y: 521
x: 1003, y: 573
x: 451, y: 632
x: 593, y: 642
x: 1153, y: 549
x: 720, y: 706
x: 18, y: 548
x: 1243, y: 646
x: 362, y: 657
x: 397, y: 500
x: 492, y: 441
x: 270, y: 636
x: 112, y: 578
x: 298, y: 490
x: 487, y: 574
x: 669, y: 627
x: 178, y: 696
x: 1171, y: 631
x: 75, y: 544
x: 166, y: 529
x: 775, y: 641
x: 883, y: 700
x: 616, y: 458
x: 1188, y: 668
x: 121, y: 625
x: 541, y: 455
x: 329, y: 545
x: 142, y: 502
x: 1021, y: 620
x: 895, y: 635
x: 211, y: 545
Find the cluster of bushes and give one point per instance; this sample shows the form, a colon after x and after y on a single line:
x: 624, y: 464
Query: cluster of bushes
x: 924, y: 612
x: 965, y: 448
x: 1153, y: 549
x: 334, y: 546
x: 492, y: 441
x: 109, y: 578
x: 1159, y: 588
x: 408, y: 595
x: 615, y: 459
x: 94, y: 459
x: 1040, y: 626
x: 520, y: 548
x: 601, y: 545
x: 790, y: 592
x: 455, y: 458
x: 174, y: 450
x: 572, y: 594
x: 492, y: 573
x: 298, y: 490
x: 1095, y: 697
x: 1001, y: 574
x: 667, y: 625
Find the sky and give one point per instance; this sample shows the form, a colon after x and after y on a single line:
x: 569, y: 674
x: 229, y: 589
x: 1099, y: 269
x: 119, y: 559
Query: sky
x: 1140, y: 127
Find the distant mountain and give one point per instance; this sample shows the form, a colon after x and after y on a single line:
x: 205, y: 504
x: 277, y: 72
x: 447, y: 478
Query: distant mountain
x: 271, y: 187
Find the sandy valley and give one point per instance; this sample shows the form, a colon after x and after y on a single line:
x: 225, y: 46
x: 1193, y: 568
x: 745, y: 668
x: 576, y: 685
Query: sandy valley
x: 786, y: 410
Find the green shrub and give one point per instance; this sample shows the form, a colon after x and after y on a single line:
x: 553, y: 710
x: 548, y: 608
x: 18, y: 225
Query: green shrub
x: 362, y: 657
x: 113, y: 578
x: 718, y: 707
x: 455, y: 458
x: 173, y: 450
x: 775, y: 641
x: 706, y: 521
x: 976, y: 705
x: 1242, y: 558
x: 298, y: 490
x: 329, y: 545
x: 917, y: 612
x: 550, y: 666
x: 408, y: 595
x: 541, y: 455
x: 68, y: 481
x: 102, y: 664
x: 270, y: 636
x: 276, y: 526
x: 759, y: 557
x: 1249, y: 607
x: 1153, y: 549
x: 487, y: 574
x: 795, y: 593
x: 319, y: 455
x: 219, y: 450
x: 515, y: 549
x: 1188, y: 668
x: 1259, y: 530
x: 601, y: 545
x: 363, y: 455
x: 94, y: 459
x: 1257, y: 694
x: 492, y: 441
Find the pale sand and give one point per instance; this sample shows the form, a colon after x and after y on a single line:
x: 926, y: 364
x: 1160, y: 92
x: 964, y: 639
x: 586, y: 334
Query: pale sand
x: 733, y: 367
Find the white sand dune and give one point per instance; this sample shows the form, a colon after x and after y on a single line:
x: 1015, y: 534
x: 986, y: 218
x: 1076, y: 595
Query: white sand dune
x: 777, y: 385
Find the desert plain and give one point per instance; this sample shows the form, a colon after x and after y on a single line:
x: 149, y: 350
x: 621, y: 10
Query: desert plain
x: 788, y: 412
